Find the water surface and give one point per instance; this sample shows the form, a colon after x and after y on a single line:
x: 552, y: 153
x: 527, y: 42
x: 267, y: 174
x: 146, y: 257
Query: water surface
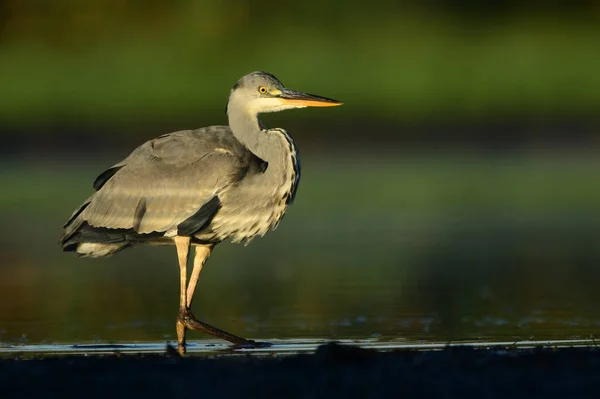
x: 421, y: 249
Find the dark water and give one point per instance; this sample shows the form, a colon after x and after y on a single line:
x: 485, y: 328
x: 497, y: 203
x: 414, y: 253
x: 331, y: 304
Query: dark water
x: 418, y: 251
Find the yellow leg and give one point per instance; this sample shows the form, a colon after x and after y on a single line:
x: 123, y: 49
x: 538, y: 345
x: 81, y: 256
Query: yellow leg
x: 183, y: 248
x: 202, y: 253
x: 185, y: 319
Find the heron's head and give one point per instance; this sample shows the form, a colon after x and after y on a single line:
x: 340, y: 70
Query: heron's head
x: 260, y: 92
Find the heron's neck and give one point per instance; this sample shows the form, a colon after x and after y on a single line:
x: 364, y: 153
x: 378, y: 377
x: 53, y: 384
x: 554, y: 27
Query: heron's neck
x: 246, y: 128
x: 265, y: 144
x: 274, y: 146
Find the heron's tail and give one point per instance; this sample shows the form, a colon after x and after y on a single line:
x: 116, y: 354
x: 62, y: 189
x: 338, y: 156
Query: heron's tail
x: 95, y: 242
x: 78, y: 236
x: 95, y: 249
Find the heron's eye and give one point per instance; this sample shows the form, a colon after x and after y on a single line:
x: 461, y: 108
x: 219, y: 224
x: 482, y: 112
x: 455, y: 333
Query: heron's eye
x: 262, y: 90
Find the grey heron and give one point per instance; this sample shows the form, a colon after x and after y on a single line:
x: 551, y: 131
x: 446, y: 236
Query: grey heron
x: 197, y: 188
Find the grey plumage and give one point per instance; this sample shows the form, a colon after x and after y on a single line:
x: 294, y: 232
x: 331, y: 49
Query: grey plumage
x: 210, y: 184
x: 173, y: 176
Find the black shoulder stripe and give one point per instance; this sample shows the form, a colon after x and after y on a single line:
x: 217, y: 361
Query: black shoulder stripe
x: 105, y: 176
x: 200, y: 219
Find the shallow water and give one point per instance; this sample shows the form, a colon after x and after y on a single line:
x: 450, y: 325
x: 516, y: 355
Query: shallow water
x: 275, y: 347
x: 432, y: 252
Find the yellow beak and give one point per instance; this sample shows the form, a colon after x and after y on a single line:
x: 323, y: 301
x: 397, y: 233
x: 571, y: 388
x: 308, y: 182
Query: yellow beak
x: 299, y: 99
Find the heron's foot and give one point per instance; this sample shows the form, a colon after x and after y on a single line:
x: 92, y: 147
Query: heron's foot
x: 180, y: 327
x: 189, y: 321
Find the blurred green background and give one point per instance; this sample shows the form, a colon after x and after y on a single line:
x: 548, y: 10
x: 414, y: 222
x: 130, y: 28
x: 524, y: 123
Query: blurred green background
x: 454, y: 196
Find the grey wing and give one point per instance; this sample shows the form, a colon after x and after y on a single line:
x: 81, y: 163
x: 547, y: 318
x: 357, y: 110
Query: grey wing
x: 162, y: 184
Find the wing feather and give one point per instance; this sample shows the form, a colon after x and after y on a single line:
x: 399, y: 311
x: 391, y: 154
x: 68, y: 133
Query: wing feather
x: 173, y: 176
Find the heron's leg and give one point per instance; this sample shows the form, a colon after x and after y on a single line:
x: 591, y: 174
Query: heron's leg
x: 202, y: 253
x: 187, y: 320
x: 183, y: 248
